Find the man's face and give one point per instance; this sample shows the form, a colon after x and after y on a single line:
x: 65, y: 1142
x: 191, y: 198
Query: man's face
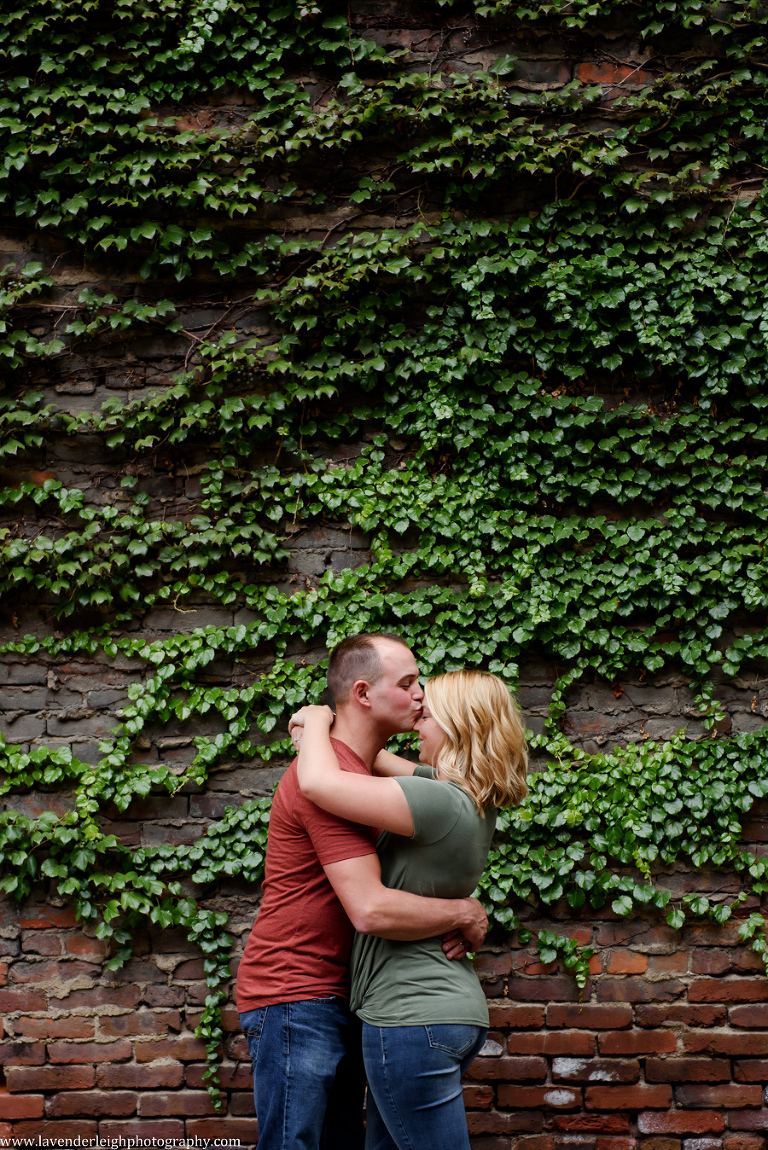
x: 395, y: 698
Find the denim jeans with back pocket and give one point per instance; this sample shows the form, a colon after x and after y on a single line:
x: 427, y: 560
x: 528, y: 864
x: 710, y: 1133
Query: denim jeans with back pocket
x: 415, y: 1099
x: 308, y: 1078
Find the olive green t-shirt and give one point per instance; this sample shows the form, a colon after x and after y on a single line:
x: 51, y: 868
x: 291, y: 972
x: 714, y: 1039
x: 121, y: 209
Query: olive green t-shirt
x: 413, y: 983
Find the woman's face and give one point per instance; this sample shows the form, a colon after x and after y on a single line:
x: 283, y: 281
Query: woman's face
x: 431, y: 736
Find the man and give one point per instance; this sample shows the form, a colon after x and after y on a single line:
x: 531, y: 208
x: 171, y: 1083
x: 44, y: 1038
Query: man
x: 322, y: 881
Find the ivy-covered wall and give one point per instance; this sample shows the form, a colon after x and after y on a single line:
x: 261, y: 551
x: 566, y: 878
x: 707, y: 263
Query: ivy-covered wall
x: 445, y: 319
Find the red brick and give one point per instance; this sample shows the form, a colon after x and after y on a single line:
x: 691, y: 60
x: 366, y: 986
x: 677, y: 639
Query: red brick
x: 748, y: 1119
x: 127, y: 996
x: 560, y: 989
x: 744, y: 1142
x: 13, y: 1000
x: 90, y: 1051
x: 662, y: 1144
x: 728, y: 990
x: 681, y: 1122
x: 139, y: 1022
x: 590, y: 1017
x: 55, y: 1027
x: 21, y: 1054
x: 42, y: 917
x: 669, y: 963
x: 475, y: 1097
x: 238, y: 1077
x: 92, y: 1104
x: 192, y: 970
x: 162, y: 1075
x: 185, y: 1049
x: 728, y: 1094
x: 241, y: 1104
x: 628, y: 1097
x: 626, y: 962
x: 655, y: 1014
x: 479, y: 1122
x: 243, y: 1128
x: 755, y: 1070
x: 535, y: 1142
x: 595, y: 1070
x: 50, y: 970
x: 638, y: 1042
x: 509, y: 1069
x: 146, y: 1128
x: 575, y: 1042
x: 638, y: 990
x: 725, y: 1042
x: 533, y: 1097
x: 590, y: 1123
x: 50, y: 1078
x: 722, y: 960
x: 615, y: 1144
x: 62, y: 1130
x: 13, y: 1106
x: 636, y: 932
x: 81, y: 945
x: 41, y: 942
x: 687, y: 1070
x: 156, y: 1104
x: 6, y: 1130
x: 237, y: 1049
x: 751, y: 1017
x: 520, y: 1017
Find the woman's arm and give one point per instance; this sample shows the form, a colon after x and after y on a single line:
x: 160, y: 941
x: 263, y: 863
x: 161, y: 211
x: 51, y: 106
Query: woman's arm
x: 359, y: 798
x: 388, y: 765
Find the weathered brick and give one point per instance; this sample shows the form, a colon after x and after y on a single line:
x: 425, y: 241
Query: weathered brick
x: 532, y: 1097
x: 590, y: 1017
x: 183, y: 1102
x: 146, y: 1128
x: 681, y: 1122
x: 515, y: 1016
x: 638, y: 990
x: 475, y: 1097
x: 13, y: 1000
x: 125, y: 996
x: 139, y: 1023
x: 577, y: 1042
x: 21, y: 1054
x: 626, y: 962
x: 669, y: 963
x: 15, y: 1106
x: 159, y: 1076
x: 117, y: 1051
x: 55, y: 1027
x: 243, y: 1128
x: 21, y: 1078
x: 509, y: 1069
x: 687, y: 1070
x: 638, y: 1042
x: 727, y: 1094
x: 752, y: 1070
x: 635, y: 1097
x: 748, y: 1119
x: 242, y: 1104
x: 654, y: 1014
x: 560, y: 989
x: 728, y: 990
x: 73, y: 1128
x: 479, y: 1122
x: 50, y: 970
x: 185, y: 1049
x: 91, y: 1104
x: 595, y: 1070
x: 590, y: 1123
x: 725, y: 1042
x: 744, y: 1142
x: 750, y: 1017
x: 721, y: 960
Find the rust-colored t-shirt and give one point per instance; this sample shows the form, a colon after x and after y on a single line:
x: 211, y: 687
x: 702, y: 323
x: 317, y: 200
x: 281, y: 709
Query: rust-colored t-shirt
x: 300, y: 943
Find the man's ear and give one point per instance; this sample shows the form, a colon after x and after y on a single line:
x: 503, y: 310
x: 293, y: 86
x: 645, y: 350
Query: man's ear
x: 359, y: 693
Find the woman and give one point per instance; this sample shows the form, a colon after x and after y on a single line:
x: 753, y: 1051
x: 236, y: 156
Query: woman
x: 424, y: 1016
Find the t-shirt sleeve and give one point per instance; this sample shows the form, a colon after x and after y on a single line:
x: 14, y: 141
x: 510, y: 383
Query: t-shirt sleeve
x: 335, y: 839
x: 435, y: 806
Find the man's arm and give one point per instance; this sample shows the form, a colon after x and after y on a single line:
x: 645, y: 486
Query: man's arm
x: 373, y: 908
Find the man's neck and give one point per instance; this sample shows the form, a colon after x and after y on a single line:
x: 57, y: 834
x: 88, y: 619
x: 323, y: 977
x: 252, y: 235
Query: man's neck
x: 361, y: 737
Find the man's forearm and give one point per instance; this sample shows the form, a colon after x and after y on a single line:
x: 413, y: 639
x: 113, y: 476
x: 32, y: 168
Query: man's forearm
x: 402, y: 916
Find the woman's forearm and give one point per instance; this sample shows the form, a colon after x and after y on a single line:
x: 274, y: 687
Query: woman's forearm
x: 317, y: 765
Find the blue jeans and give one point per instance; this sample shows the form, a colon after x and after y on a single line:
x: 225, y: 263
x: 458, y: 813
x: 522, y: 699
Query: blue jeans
x: 414, y: 1085
x: 308, y: 1079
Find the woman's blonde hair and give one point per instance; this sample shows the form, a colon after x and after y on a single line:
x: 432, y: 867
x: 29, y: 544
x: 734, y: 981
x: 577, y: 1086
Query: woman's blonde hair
x: 485, y: 751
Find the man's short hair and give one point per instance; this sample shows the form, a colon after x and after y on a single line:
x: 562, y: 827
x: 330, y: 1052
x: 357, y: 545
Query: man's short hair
x: 356, y: 658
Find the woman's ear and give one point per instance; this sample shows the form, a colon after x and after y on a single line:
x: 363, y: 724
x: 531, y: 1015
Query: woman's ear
x: 359, y: 693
